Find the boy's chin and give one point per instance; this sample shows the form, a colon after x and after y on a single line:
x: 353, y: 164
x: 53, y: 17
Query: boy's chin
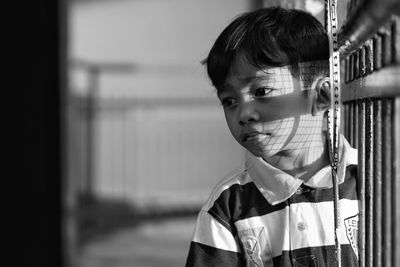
x: 270, y: 154
x: 260, y: 153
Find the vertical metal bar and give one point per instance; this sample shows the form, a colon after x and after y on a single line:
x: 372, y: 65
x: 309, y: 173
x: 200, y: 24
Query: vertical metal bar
x: 347, y: 70
x: 351, y: 125
x: 369, y: 56
x: 377, y: 118
x: 369, y: 193
x: 396, y: 176
x: 356, y: 65
x: 356, y: 123
x: 351, y: 67
x: 92, y: 98
x: 387, y: 183
x: 386, y: 46
x: 377, y: 46
x: 343, y: 128
x: 363, y: 67
x: 361, y: 180
x: 395, y: 39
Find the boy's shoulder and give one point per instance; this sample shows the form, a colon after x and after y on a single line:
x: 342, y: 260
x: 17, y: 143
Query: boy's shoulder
x: 238, y: 176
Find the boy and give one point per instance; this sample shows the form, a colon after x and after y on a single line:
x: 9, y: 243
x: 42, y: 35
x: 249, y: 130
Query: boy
x: 270, y: 70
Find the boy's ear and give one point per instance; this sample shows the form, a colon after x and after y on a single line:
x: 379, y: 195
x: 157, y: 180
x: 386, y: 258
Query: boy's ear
x: 322, y: 98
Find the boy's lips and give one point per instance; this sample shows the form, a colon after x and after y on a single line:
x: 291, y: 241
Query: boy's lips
x: 251, y: 135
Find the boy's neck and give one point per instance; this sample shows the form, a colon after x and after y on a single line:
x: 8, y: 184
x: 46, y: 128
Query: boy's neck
x: 302, y: 163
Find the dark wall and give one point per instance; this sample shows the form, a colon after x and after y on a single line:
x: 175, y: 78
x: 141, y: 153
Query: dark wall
x: 37, y: 49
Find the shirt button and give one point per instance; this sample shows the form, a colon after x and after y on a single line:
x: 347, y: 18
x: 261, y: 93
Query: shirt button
x: 299, y: 191
x: 301, y: 226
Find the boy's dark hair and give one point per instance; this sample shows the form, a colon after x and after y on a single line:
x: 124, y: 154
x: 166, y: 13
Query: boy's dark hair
x: 268, y: 37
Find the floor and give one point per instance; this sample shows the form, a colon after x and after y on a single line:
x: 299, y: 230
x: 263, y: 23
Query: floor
x: 155, y: 243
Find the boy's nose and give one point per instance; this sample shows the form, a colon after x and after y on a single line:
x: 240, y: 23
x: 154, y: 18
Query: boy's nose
x: 248, y: 114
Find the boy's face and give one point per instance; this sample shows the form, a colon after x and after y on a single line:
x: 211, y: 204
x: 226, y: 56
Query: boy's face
x: 268, y: 111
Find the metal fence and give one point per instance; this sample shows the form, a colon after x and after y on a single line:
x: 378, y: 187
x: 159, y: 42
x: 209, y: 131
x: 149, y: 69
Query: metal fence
x: 371, y: 101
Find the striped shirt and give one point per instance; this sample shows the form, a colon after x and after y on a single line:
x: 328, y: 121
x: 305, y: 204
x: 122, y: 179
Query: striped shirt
x: 261, y: 216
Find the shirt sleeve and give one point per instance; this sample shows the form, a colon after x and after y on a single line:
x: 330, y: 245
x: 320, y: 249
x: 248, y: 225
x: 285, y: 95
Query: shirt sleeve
x: 213, y: 244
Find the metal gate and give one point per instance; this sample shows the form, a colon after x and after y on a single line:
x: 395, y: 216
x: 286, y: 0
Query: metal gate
x: 370, y: 45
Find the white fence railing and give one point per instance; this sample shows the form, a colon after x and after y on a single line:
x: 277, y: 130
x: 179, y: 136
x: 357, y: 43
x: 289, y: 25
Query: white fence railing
x: 150, y: 152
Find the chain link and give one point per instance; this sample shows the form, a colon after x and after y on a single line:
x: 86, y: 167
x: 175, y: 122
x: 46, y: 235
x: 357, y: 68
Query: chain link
x: 334, y: 113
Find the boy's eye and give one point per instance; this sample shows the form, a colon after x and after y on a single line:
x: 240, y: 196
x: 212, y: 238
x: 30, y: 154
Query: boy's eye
x: 263, y: 91
x: 228, y: 101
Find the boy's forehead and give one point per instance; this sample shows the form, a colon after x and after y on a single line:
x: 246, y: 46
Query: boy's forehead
x: 245, y: 72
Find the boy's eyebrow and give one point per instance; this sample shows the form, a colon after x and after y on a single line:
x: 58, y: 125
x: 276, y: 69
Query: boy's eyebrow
x: 258, y: 77
x: 245, y: 80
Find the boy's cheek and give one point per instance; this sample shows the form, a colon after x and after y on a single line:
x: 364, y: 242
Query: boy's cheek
x: 284, y: 107
x: 235, y: 129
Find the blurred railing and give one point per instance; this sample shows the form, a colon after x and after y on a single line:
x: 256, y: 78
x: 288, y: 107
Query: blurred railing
x: 153, y: 154
x: 152, y: 151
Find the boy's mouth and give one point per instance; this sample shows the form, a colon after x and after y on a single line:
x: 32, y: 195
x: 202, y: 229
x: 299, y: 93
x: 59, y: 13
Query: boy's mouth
x: 253, y: 135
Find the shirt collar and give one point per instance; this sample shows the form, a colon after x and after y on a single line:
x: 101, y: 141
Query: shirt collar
x: 277, y: 186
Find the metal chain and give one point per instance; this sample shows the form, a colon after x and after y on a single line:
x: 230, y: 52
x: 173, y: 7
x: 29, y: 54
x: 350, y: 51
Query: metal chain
x: 334, y: 113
